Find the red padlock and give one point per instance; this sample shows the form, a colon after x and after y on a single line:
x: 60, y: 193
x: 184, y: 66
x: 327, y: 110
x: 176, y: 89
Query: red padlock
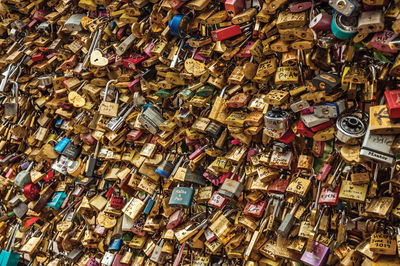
x: 226, y: 33
x: 234, y: 7
x: 278, y: 186
x: 37, y: 57
x: 121, y: 32
x: 303, y: 130
x: 287, y: 137
x: 255, y: 209
x: 393, y: 103
x: 300, y: 6
x: 323, y: 172
x: 322, y: 126
x: 322, y: 21
x: 328, y: 197
x: 117, y: 202
x: 133, y: 61
x: 31, y: 191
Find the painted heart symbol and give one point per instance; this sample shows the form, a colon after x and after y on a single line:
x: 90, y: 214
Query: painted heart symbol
x: 97, y: 59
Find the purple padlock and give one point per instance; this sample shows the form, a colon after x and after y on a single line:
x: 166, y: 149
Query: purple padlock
x: 317, y: 256
x: 24, y: 165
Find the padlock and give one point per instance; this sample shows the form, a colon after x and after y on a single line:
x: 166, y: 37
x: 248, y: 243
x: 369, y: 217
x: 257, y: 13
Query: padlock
x: 370, y: 21
x: 151, y: 118
x: 11, y: 108
x: 181, y: 196
x: 108, y: 109
x: 345, y: 7
x: 376, y: 147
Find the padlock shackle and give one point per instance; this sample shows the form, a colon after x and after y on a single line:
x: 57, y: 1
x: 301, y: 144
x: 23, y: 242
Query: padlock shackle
x: 106, y: 91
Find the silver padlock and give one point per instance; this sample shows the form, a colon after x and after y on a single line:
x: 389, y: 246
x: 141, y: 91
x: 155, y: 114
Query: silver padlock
x: 158, y: 256
x: 277, y: 119
x: 371, y: 21
x: 21, y: 210
x: 11, y: 108
x: 311, y: 120
x: 330, y: 110
x: 45, y: 80
x: 350, y: 129
x: 345, y: 7
x: 378, y: 147
x: 288, y: 221
x: 151, y: 118
x: 73, y: 23
x: 107, y: 259
x: 45, y: 28
x: 125, y: 45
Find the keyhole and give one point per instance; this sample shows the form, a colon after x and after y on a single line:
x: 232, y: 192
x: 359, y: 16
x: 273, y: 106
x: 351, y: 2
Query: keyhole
x: 341, y: 4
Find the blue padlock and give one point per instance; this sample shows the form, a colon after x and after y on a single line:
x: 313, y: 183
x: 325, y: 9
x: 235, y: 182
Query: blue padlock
x: 115, y: 244
x: 8, y: 258
x: 181, y: 196
x: 150, y: 204
x: 59, y: 122
x: 57, y: 200
x: 61, y: 144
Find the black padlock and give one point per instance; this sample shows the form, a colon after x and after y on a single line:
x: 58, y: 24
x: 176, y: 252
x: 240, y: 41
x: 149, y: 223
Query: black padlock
x: 91, y: 163
x: 148, y: 73
x: 72, y: 151
x: 327, y: 82
x: 214, y: 129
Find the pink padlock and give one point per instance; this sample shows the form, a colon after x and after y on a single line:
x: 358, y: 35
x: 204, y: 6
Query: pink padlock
x: 308, y: 110
x: 175, y: 219
x: 217, y: 201
x: 10, y: 173
x: 209, y: 235
x: 318, y: 255
x: 87, y: 138
x: 245, y: 52
x: 381, y: 41
x: 133, y: 84
x: 148, y: 49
